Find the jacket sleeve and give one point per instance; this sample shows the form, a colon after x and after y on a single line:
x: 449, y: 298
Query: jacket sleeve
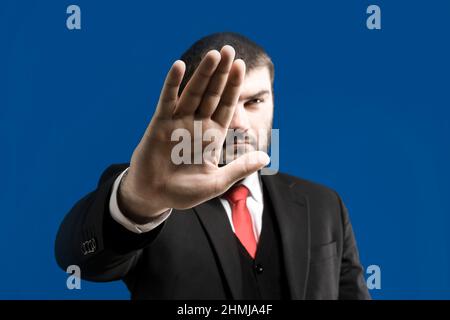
x: 352, y: 284
x: 90, y: 238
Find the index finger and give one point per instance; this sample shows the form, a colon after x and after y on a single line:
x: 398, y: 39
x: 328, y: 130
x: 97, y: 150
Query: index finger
x: 225, y: 109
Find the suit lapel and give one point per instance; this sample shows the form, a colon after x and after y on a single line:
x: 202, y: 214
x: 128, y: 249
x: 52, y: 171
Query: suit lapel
x: 292, y: 214
x: 215, y: 221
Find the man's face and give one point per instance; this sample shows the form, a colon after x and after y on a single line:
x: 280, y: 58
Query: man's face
x: 252, y: 120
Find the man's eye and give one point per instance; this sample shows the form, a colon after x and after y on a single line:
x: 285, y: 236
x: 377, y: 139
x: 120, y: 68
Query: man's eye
x: 255, y: 101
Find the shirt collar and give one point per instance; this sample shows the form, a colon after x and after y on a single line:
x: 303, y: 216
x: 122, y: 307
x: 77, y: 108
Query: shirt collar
x: 253, y: 184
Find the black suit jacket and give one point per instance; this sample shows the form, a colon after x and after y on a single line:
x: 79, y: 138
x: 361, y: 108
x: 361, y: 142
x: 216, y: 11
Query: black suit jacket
x: 192, y: 255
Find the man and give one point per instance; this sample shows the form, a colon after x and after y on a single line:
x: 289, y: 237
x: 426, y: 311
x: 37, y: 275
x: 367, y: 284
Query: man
x: 208, y: 229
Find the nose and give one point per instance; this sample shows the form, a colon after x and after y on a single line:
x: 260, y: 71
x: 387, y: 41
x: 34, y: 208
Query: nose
x: 240, y: 120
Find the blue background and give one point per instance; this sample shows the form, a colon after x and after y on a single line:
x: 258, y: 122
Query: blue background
x: 364, y: 112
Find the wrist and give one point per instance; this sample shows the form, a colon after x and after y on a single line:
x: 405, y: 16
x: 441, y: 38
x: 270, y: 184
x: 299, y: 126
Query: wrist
x: 140, y: 211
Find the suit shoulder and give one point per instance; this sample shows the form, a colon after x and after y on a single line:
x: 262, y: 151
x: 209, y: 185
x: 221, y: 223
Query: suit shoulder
x: 312, y: 189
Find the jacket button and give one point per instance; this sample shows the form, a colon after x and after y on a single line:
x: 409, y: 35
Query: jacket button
x: 259, y: 268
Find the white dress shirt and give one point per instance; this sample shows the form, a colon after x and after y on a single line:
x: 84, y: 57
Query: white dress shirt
x: 255, y: 205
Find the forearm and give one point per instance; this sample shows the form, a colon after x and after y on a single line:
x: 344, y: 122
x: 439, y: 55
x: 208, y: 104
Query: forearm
x: 112, y: 250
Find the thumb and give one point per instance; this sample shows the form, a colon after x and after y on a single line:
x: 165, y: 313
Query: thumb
x: 242, y: 167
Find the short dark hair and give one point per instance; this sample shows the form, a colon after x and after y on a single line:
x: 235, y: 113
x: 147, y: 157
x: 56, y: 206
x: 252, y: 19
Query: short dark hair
x: 253, y: 55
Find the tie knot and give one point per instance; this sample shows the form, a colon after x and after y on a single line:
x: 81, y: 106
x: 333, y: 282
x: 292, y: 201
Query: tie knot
x: 236, y: 193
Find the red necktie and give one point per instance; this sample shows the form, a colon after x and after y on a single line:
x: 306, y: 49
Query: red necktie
x: 242, y: 221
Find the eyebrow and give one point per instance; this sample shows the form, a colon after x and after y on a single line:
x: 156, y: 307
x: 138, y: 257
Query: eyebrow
x: 256, y: 95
